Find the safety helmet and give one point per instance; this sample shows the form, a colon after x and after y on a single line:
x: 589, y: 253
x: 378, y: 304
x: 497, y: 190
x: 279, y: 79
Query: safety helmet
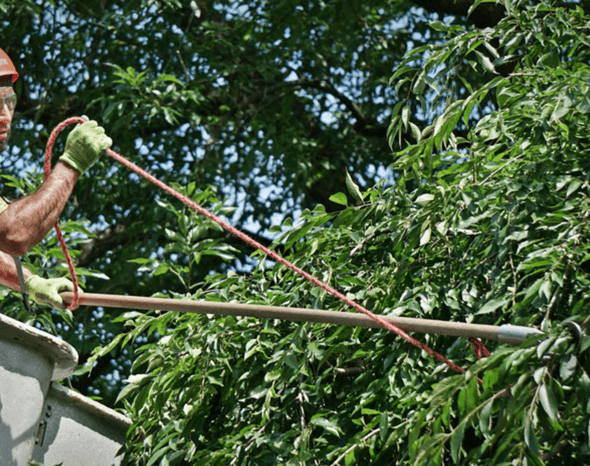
x: 7, y: 67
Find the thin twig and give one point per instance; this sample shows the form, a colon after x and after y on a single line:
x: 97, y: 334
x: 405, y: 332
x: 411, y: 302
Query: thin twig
x: 352, y: 447
x: 499, y: 169
x: 301, y: 410
x: 530, y: 414
x: 549, y: 308
x: 515, y: 281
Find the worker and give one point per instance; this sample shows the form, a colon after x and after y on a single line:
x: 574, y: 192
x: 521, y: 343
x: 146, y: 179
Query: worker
x: 25, y: 222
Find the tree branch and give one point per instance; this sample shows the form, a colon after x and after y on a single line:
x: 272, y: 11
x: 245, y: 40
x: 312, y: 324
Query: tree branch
x: 330, y: 89
x: 105, y: 241
x: 363, y: 125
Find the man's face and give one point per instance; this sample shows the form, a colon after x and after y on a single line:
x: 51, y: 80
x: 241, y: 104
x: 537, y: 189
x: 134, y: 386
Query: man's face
x: 7, y: 106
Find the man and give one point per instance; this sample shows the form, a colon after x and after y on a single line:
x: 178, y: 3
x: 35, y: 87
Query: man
x: 26, y: 221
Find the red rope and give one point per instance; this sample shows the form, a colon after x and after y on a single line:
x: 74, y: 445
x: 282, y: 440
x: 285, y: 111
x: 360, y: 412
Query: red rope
x: 480, y: 349
x: 46, y: 170
x: 193, y: 205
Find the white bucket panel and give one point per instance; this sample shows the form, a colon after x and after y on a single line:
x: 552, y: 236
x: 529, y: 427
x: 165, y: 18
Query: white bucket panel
x: 79, y: 431
x: 29, y: 360
x: 24, y: 380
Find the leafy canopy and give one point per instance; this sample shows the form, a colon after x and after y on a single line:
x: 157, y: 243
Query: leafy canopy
x: 265, y: 105
x: 486, y: 222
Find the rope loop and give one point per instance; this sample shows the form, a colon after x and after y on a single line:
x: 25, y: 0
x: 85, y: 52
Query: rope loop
x: 46, y: 170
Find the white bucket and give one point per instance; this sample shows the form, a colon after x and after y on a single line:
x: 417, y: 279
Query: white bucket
x: 76, y: 430
x: 29, y: 360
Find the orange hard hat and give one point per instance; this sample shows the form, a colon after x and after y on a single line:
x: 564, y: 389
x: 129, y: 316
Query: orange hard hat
x: 7, y: 67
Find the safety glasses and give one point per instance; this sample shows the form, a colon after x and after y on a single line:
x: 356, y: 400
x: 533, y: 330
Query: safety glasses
x: 9, y: 101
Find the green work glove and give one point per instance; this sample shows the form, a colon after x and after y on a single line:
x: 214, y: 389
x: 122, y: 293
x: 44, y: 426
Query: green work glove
x: 45, y: 291
x: 84, y: 146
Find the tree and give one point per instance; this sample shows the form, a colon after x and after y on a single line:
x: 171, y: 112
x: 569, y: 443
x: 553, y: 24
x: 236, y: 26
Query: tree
x: 483, y: 220
x: 268, y: 105
x: 486, y: 222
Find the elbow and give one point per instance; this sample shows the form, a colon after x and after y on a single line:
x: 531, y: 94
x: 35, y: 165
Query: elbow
x: 17, y: 235
x: 15, y: 249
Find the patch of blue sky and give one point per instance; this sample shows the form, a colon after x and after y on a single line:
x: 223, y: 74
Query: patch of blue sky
x: 239, y: 10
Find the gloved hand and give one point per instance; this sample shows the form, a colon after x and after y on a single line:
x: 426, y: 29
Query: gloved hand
x: 84, y: 146
x: 45, y: 291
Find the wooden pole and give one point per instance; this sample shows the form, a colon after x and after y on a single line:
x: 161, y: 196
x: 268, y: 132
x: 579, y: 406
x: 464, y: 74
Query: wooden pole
x: 504, y: 333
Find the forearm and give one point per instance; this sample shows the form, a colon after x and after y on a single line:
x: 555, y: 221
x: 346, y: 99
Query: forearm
x: 26, y: 222
x: 42, y: 291
x: 9, y: 274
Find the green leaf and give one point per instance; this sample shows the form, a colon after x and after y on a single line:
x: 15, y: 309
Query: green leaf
x: 349, y: 458
x: 438, y: 26
x: 353, y: 188
x: 424, y: 199
x: 339, y: 198
x: 169, y: 78
x: 174, y: 235
x: 161, y: 269
x: 326, y: 424
x: 533, y: 290
x: 157, y: 455
x: 584, y: 105
x: 383, y: 426
x: 485, y: 417
x: 476, y: 3
x: 485, y: 62
x: 583, y: 391
x: 371, y: 412
x: 425, y: 237
x: 568, y: 367
x: 134, y: 382
x: 548, y: 402
x: 405, y: 117
x: 573, y: 187
x: 492, y: 305
x: 530, y: 438
x: 468, y: 109
x: 457, y: 441
x: 545, y: 289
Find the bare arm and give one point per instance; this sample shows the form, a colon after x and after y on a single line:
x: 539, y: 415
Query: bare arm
x: 26, y: 222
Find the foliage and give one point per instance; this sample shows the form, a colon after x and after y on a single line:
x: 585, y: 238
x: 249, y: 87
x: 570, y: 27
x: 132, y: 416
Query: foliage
x: 486, y: 222
x: 266, y: 103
